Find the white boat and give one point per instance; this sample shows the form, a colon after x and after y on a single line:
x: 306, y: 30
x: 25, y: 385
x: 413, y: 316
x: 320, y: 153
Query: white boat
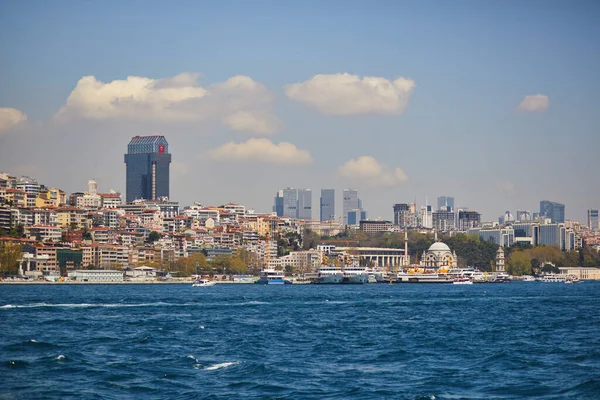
x: 271, y: 276
x: 329, y: 274
x: 529, y: 278
x: 203, y: 282
x: 462, y: 281
x: 355, y: 274
x: 572, y: 279
x: 553, y: 278
x: 418, y: 277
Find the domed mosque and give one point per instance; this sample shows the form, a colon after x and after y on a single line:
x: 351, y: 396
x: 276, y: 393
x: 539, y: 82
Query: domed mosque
x: 439, y: 256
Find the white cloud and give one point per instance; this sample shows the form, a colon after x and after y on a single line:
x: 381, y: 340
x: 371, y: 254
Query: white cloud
x: 345, y: 94
x: 10, y: 117
x: 368, y: 170
x: 538, y: 102
x: 261, y: 151
x: 255, y: 122
x: 240, y: 102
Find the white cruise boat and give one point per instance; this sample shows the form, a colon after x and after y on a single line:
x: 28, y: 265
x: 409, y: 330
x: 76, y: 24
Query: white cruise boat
x: 329, y: 274
x: 553, y: 278
x: 423, y: 277
x: 355, y: 274
x: 271, y: 276
x: 462, y: 281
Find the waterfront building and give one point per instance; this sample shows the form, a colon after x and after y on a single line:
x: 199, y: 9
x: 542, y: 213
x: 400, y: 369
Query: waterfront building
x: 327, y: 205
x: 439, y: 256
x: 96, y: 275
x: 377, y: 256
x: 446, y: 203
x: 592, y: 216
x: 554, y: 211
x: 147, y: 162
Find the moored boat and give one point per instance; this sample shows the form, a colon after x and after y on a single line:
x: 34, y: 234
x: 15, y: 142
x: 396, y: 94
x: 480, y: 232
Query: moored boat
x: 271, y: 277
x: 329, y: 275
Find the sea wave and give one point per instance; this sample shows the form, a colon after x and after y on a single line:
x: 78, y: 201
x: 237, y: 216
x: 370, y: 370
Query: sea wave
x: 221, y: 365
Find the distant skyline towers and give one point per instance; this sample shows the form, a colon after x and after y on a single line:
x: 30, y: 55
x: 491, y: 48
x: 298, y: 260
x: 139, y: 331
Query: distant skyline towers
x: 523, y: 215
x: 352, y: 204
x: 293, y: 203
x: 446, y: 203
x: 554, y: 211
x: 147, y: 168
x: 593, y: 220
x: 327, y: 205
x: 304, y: 206
x: 401, y: 213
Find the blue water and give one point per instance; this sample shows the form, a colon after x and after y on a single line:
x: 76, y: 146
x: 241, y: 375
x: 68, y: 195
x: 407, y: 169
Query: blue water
x: 376, y: 341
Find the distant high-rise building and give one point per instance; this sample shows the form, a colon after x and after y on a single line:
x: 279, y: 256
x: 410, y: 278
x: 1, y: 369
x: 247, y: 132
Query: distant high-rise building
x: 278, y: 203
x: 304, y: 206
x: 554, y: 211
x: 327, y: 205
x: 468, y: 220
x: 523, y: 215
x: 593, y: 220
x: 293, y: 203
x: 443, y: 220
x: 446, y: 203
x: 401, y: 212
x: 92, y: 187
x: 351, y: 202
x: 426, y: 216
x: 290, y: 202
x: 147, y: 162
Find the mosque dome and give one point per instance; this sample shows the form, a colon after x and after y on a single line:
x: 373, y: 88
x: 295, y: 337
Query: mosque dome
x: 439, y: 246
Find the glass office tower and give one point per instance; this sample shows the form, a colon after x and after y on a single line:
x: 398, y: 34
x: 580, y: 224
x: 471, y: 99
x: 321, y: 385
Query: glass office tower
x: 147, y: 162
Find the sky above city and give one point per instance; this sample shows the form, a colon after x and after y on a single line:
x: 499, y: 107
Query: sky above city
x: 494, y: 103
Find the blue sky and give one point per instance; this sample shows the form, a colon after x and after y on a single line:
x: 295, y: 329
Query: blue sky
x: 460, y: 132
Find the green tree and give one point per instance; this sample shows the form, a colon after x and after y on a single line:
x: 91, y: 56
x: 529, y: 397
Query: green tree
x: 10, y: 255
x: 519, y: 264
x: 153, y: 236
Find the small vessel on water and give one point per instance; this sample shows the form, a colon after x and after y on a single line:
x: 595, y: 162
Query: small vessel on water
x: 271, y: 276
x: 203, y: 282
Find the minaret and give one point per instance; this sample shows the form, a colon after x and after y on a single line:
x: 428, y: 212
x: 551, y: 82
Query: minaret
x: 406, y: 256
x: 435, y: 235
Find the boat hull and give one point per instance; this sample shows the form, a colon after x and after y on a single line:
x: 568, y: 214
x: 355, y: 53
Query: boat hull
x: 330, y: 279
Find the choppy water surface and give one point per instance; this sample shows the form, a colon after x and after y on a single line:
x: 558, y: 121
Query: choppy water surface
x: 504, y: 341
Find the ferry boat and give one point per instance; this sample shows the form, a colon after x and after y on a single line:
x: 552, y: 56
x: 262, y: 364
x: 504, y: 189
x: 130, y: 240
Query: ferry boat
x: 553, y: 278
x: 423, y: 277
x: 271, y: 277
x: 203, y: 282
x: 329, y: 274
x: 462, y: 281
x: 355, y: 274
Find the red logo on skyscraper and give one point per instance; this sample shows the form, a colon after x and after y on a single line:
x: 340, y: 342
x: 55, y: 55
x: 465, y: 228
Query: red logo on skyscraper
x: 161, y: 148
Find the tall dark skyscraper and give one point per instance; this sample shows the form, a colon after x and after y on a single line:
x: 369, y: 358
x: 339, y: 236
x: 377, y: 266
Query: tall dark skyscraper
x: 327, y: 204
x: 446, y: 203
x: 552, y: 210
x: 147, y: 161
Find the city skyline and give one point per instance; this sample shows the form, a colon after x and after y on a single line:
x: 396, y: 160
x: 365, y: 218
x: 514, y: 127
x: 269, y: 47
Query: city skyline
x: 429, y: 107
